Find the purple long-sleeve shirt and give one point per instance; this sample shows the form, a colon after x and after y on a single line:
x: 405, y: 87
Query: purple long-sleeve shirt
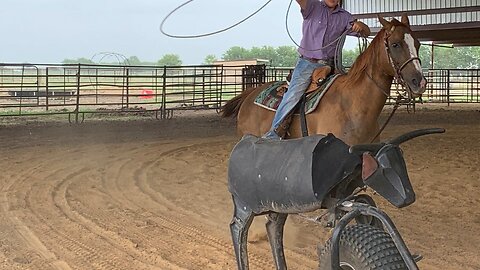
x: 321, y: 26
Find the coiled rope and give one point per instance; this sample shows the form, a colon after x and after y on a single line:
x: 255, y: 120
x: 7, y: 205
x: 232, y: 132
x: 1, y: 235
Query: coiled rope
x: 205, y: 34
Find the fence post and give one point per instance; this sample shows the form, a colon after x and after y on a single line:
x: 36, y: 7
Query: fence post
x: 128, y: 86
x: 156, y: 85
x: 478, y: 88
x: 21, y: 89
x: 96, y: 85
x: 77, y: 106
x: 46, y: 89
x: 38, y: 85
x: 219, y: 96
x: 448, y: 87
x: 194, y: 87
x: 164, y: 93
x: 203, y: 86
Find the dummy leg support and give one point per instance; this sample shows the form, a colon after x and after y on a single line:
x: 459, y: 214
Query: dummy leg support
x: 275, y: 225
x: 241, y: 221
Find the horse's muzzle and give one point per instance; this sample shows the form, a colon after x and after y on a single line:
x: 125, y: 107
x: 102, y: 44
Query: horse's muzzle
x: 417, y: 85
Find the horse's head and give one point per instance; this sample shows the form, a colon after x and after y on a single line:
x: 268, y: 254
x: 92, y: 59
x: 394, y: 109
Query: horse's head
x: 402, y: 50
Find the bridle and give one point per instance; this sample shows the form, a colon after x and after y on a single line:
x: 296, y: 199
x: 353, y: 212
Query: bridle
x: 396, y: 67
x: 401, y: 99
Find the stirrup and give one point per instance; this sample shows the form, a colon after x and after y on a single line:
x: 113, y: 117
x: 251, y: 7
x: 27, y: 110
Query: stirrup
x: 417, y: 257
x: 271, y: 135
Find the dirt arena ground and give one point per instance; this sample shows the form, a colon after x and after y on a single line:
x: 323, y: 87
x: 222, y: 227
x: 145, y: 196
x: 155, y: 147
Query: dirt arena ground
x: 148, y: 194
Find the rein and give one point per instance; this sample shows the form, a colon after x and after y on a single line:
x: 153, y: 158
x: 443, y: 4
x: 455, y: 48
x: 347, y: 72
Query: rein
x: 398, y: 103
x: 386, y: 93
x: 395, y: 107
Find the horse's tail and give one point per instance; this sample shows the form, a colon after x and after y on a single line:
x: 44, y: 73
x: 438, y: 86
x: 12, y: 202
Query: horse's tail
x: 232, y: 107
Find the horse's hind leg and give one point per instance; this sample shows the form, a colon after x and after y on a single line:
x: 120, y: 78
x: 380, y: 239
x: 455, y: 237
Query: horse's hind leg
x: 241, y: 221
x: 275, y: 224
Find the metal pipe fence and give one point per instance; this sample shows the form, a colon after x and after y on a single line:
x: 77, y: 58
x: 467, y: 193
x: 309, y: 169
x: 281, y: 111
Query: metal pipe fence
x: 76, y: 90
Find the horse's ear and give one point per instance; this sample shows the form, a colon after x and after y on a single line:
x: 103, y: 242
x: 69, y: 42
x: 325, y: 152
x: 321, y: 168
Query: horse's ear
x: 386, y: 24
x: 405, y: 20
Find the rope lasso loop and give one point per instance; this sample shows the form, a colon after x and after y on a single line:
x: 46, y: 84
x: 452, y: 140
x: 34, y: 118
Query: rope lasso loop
x: 205, y: 34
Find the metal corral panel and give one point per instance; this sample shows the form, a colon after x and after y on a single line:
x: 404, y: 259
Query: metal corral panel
x: 433, y: 20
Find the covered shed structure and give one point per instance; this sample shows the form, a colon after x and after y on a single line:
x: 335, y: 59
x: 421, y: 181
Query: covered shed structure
x: 455, y: 22
x: 445, y: 23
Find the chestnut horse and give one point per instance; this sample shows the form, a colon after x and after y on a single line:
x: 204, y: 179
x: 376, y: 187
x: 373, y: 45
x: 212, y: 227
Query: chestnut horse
x: 353, y: 103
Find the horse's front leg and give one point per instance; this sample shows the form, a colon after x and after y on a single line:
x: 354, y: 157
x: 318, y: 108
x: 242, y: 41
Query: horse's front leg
x: 275, y: 224
x: 241, y: 221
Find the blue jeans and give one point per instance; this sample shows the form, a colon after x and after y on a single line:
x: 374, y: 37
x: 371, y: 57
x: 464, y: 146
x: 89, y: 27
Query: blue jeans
x: 301, y: 79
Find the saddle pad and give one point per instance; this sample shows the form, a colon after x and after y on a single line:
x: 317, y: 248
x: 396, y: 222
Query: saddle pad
x: 269, y: 98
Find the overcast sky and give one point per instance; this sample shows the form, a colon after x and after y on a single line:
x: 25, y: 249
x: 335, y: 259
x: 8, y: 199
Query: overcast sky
x: 49, y: 31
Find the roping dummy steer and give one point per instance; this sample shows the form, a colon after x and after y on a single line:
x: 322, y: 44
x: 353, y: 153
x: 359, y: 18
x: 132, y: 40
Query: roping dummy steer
x: 277, y: 178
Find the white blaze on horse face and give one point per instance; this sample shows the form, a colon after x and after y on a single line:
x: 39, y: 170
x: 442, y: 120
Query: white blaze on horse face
x: 413, y: 51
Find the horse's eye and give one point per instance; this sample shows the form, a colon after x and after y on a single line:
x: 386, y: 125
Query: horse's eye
x: 395, y: 45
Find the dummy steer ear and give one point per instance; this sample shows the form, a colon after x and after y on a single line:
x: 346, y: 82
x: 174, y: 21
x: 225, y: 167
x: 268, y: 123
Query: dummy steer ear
x: 386, y: 25
x: 405, y: 20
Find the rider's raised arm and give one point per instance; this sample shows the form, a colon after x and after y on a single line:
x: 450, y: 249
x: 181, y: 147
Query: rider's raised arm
x: 303, y: 4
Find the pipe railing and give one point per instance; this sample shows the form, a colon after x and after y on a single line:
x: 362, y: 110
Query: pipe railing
x: 39, y: 89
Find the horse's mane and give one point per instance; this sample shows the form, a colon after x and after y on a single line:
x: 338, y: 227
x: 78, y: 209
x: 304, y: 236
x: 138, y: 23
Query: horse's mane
x: 366, y: 58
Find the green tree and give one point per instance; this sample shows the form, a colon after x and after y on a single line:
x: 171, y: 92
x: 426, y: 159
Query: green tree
x: 349, y: 56
x: 80, y: 60
x: 467, y: 57
x: 445, y: 58
x: 209, y: 59
x: 236, y: 53
x: 456, y: 57
x: 286, y: 56
x: 265, y: 52
x: 170, y: 60
x: 283, y: 56
x: 134, y: 61
x: 425, y: 54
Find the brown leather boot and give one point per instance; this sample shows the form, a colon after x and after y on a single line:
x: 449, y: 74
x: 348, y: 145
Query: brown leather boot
x: 318, y: 76
x: 282, y: 129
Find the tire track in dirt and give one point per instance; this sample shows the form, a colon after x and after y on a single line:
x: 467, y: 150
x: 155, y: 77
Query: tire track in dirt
x: 98, y: 258
x: 161, y: 216
x: 59, y: 194
x: 92, y: 224
x: 100, y: 221
x: 149, y: 239
x: 62, y: 187
x: 184, y: 227
x: 62, y: 238
x: 127, y: 242
x: 260, y: 257
x: 45, y: 258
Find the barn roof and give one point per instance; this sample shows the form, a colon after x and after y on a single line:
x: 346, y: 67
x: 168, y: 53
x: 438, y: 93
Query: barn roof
x: 454, y: 22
